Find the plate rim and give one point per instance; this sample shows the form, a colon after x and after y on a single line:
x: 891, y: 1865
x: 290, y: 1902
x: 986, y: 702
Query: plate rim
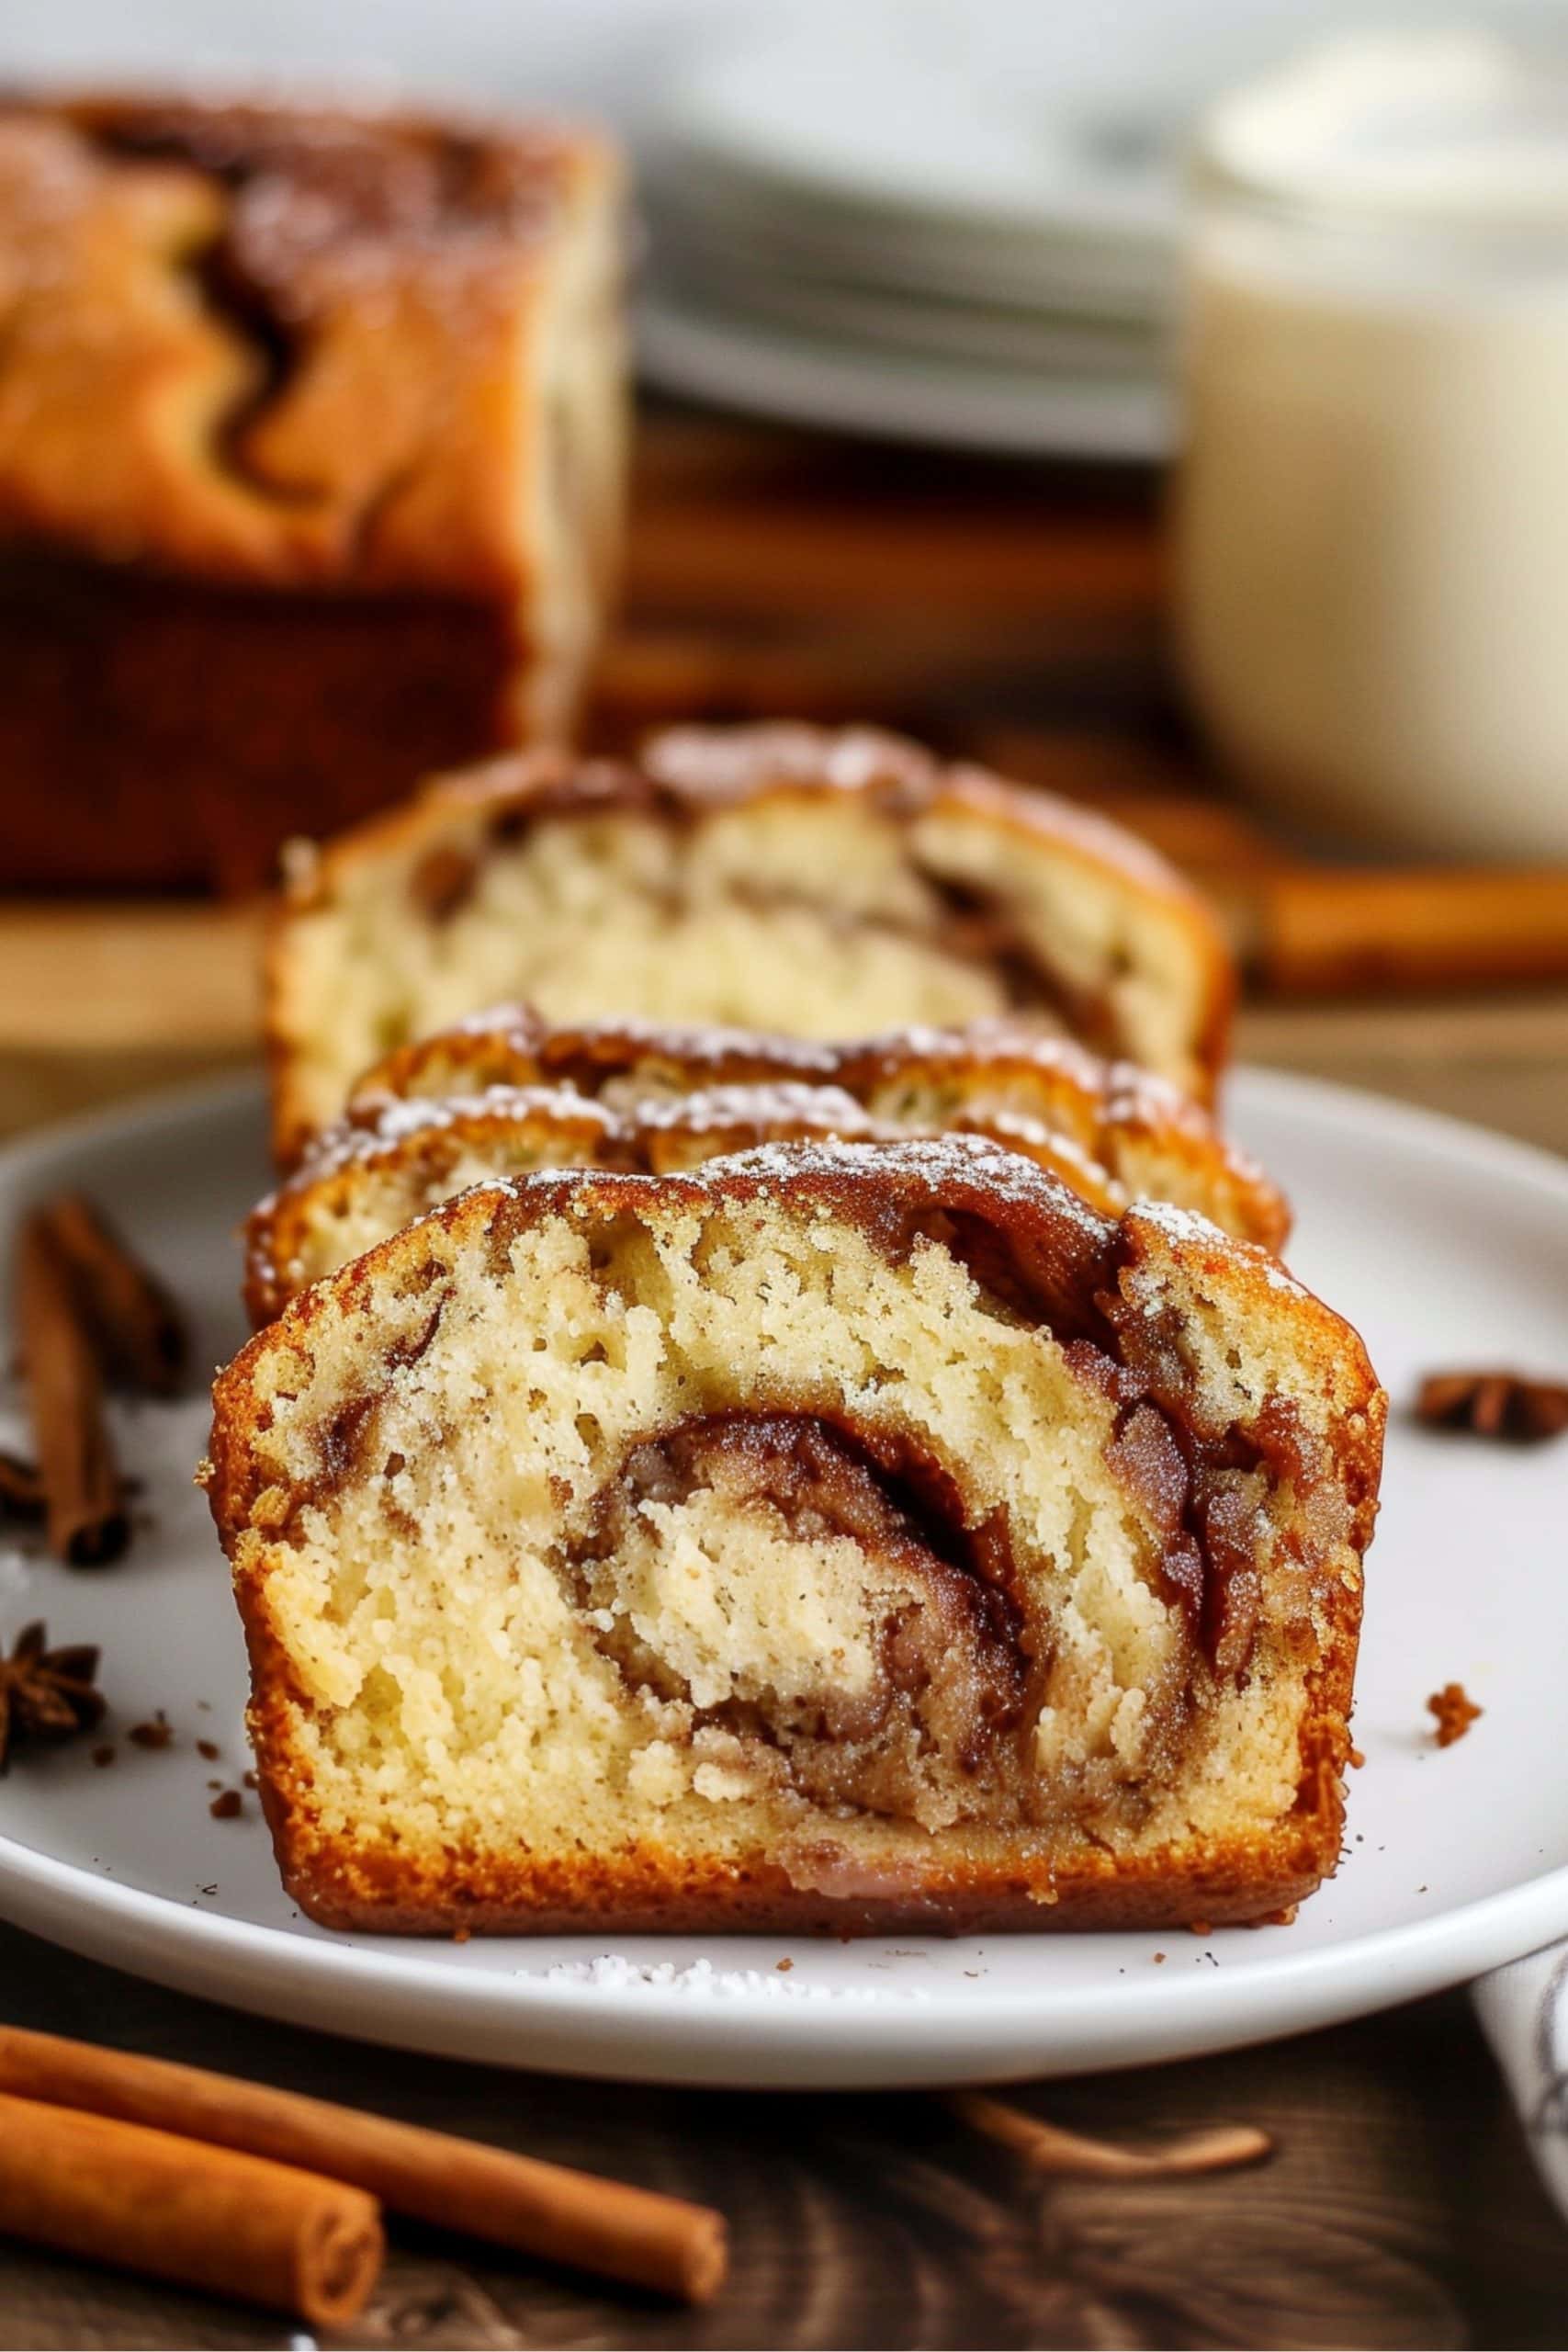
x: 315, y: 1979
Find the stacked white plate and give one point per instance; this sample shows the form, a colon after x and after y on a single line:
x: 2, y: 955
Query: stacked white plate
x: 855, y: 222
x: 950, y: 221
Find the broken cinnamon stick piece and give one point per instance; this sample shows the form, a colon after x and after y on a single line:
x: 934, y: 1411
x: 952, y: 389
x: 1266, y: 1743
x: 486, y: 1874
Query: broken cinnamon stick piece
x: 85, y: 1507
x: 237, y: 2225
x: 140, y: 1331
x: 21, y: 1488
x: 1048, y: 2148
x: 606, y: 2227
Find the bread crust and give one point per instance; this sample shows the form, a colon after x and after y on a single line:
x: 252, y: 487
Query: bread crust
x: 478, y: 1093
x: 687, y: 775
x: 1074, y: 1261
x: 1098, y: 1103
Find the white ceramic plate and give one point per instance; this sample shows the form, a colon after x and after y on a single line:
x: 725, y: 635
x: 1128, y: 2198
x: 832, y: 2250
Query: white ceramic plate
x: 1446, y: 1245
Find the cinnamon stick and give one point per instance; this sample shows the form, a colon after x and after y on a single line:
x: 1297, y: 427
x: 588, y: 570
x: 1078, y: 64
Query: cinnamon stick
x: 1317, y: 930
x: 604, y: 2226
x: 140, y: 1331
x: 21, y: 1488
x: 237, y: 2225
x: 1048, y: 2148
x: 86, y: 1516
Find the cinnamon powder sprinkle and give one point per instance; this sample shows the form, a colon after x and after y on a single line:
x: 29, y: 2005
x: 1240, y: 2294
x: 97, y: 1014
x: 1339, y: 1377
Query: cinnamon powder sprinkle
x: 228, y: 1806
x: 1455, y: 1711
x: 209, y: 1750
x: 159, y: 1733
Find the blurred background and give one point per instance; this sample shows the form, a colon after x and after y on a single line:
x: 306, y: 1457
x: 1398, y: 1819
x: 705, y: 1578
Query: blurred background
x: 1152, y: 401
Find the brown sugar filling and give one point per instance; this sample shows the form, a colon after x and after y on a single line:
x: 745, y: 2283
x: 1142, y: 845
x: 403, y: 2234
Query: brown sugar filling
x: 934, y: 1732
x: 977, y: 929
x: 1208, y: 1489
x: 943, y: 1729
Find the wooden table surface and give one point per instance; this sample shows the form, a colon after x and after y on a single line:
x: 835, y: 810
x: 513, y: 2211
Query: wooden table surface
x: 987, y: 606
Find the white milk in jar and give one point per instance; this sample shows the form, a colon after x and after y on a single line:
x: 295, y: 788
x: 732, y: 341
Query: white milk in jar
x: 1371, y: 506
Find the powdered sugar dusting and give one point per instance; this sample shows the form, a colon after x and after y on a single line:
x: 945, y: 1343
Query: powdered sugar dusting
x: 739, y: 763
x: 514, y: 1025
x: 589, y: 1052
x: 614, y: 1971
x: 931, y: 1165
x: 785, y: 1102
x: 1189, y: 1230
x: 1121, y: 1119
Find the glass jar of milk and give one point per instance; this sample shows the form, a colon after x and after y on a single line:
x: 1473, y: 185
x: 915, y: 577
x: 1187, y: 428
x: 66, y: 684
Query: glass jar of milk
x: 1371, y: 516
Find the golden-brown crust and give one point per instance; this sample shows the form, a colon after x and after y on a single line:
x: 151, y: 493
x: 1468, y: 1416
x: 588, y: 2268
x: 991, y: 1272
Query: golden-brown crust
x: 272, y: 343
x: 1105, y: 1107
x: 511, y: 1044
x: 687, y: 773
x: 648, y: 1890
x: 499, y: 1084
x: 1072, y: 1262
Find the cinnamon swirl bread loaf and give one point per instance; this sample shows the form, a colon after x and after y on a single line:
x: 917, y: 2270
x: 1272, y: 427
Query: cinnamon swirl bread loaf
x: 777, y: 876
x: 623, y: 1094
x: 846, y: 1536
x: 311, y: 456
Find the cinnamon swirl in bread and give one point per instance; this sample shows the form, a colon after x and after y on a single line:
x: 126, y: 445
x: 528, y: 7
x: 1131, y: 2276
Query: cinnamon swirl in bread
x: 506, y: 1094
x: 854, y: 1536
x: 311, y: 456
x: 779, y: 876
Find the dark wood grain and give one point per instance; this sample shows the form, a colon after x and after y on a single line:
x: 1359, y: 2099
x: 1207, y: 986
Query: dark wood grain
x: 1400, y: 2209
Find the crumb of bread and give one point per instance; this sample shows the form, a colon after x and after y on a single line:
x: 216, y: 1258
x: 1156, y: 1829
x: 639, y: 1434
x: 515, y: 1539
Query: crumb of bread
x: 1454, y: 1712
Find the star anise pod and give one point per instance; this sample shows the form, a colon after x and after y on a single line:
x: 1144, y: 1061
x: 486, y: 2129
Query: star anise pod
x: 46, y: 1694
x: 1494, y: 1404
